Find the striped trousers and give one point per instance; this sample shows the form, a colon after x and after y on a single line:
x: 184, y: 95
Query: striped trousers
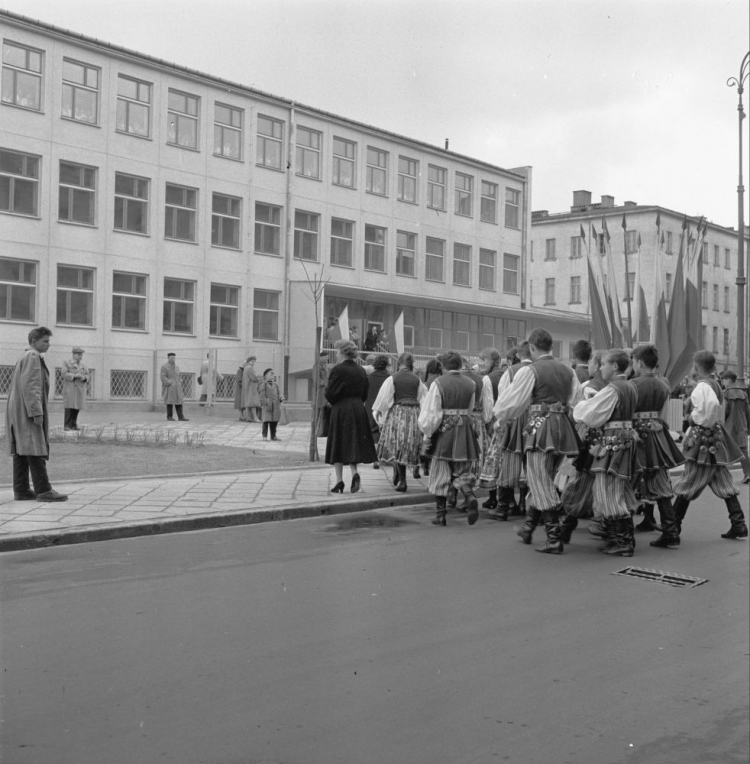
x: 697, y: 476
x: 541, y: 467
x: 614, y: 496
x: 655, y: 485
x: 444, y: 474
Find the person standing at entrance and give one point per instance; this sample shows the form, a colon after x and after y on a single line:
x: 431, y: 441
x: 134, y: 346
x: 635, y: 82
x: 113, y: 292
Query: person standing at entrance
x: 250, y: 394
x: 270, y: 403
x: 75, y: 380
x: 27, y: 422
x: 171, y: 389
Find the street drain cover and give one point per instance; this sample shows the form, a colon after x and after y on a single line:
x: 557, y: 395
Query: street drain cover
x: 661, y: 577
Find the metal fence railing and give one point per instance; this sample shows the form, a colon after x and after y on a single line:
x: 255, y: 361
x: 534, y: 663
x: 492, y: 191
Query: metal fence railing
x: 128, y: 385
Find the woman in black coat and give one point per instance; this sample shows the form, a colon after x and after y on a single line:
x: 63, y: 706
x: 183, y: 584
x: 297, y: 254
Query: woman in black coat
x: 349, y: 434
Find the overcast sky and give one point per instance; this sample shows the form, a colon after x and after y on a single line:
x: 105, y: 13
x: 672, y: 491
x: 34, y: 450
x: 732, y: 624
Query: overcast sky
x: 619, y: 97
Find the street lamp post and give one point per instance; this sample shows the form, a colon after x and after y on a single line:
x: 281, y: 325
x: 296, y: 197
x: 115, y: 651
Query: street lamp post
x: 739, y: 83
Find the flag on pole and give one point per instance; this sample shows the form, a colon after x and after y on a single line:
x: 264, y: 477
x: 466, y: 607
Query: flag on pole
x: 612, y: 295
x: 641, y: 330
x: 344, y: 323
x: 398, y: 333
x: 659, y: 335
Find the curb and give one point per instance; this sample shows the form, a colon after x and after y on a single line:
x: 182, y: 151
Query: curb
x: 82, y: 535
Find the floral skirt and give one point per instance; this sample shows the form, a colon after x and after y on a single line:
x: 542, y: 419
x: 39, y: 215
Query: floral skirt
x: 400, y: 436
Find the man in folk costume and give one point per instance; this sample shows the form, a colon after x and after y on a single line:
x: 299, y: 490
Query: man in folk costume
x: 508, y: 447
x: 578, y: 495
x: 549, y: 389
x: 656, y: 452
x: 450, y: 442
x: 709, y: 450
x: 614, y: 463
x: 582, y: 355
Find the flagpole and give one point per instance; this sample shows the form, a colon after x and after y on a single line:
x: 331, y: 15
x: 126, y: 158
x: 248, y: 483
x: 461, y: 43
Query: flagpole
x: 741, y: 280
x: 627, y: 281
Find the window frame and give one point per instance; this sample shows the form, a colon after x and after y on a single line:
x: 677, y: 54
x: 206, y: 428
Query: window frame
x: 408, y: 180
x: 15, y: 179
x: 512, y: 208
x: 302, y: 151
x: 490, y: 199
x: 260, y: 311
x: 405, y: 253
x: 575, y: 290
x: 217, y: 309
x: 267, y: 227
x: 183, y: 116
x: 73, y: 190
x: 264, y: 157
x: 462, y: 264
x: 306, y: 237
x: 20, y: 72
x: 374, y: 169
x: 171, y: 303
x: 550, y: 250
x: 340, y: 160
x: 121, y: 300
x: 434, y: 257
x: 375, y: 249
x: 511, y: 273
x: 132, y: 199
x: 69, y: 292
x: 221, y: 127
x: 82, y: 87
x: 485, y: 268
x: 433, y: 185
x: 549, y: 291
x: 463, y: 194
x: 219, y: 219
x: 16, y: 286
x: 576, y: 247
x: 129, y: 101
x: 338, y: 241
x: 174, y: 213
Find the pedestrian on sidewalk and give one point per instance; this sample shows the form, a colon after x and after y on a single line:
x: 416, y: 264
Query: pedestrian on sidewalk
x: 349, y: 433
x: 27, y: 422
x: 250, y: 394
x: 204, y: 380
x: 75, y: 380
x: 171, y: 389
x: 270, y: 403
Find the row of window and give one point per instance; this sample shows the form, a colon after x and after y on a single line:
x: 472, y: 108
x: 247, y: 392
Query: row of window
x: 76, y: 288
x: 632, y: 245
x: 715, y: 340
x: 575, y: 292
x: 22, y: 83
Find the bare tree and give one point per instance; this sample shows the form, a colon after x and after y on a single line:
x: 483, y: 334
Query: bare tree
x: 316, y: 284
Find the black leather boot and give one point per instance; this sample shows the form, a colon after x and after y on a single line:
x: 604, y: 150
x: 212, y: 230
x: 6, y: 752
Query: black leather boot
x: 505, y: 502
x: 648, y: 523
x: 624, y: 537
x: 451, y: 497
x: 491, y: 502
x: 441, y: 511
x: 568, y: 524
x: 401, y: 486
x: 523, y: 492
x: 533, y: 517
x: 554, y: 544
x: 680, y: 507
x: 470, y: 504
x: 738, y: 529
x: 669, y: 535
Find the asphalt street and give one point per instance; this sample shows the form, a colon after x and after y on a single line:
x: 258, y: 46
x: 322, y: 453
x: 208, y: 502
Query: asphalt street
x: 374, y: 637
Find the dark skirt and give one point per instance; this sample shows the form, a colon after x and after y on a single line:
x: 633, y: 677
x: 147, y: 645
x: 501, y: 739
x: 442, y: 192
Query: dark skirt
x: 349, y: 434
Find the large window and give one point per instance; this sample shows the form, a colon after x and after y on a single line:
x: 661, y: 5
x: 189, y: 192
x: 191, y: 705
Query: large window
x: 179, y: 300
x: 342, y: 242
x: 727, y: 300
x: 265, y: 315
x: 487, y: 260
x: 343, y: 162
x: 549, y: 291
x: 576, y: 247
x: 510, y: 273
x: 436, y: 187
x: 434, y: 261
x: 22, y: 76
x: 226, y: 213
x: 308, y: 153
x: 549, y: 249
x: 306, y: 227
x: 17, y: 290
x: 464, y: 192
x: 374, y: 248
x: 488, y: 211
x: 377, y: 171
x: 408, y: 170
x: 228, y: 131
x: 270, y: 136
x: 183, y: 120
x: 462, y: 265
x: 224, y: 314
x: 667, y: 287
x: 77, y: 203
x: 726, y: 341
x: 668, y: 245
x: 727, y: 258
x: 631, y: 242
x: 575, y: 289
x: 19, y: 183
x: 406, y: 253
x: 80, y: 92
x: 133, y: 106
x: 128, y: 301
x: 716, y: 297
x: 75, y: 295
x: 131, y: 203
x: 704, y: 294
x: 179, y: 219
x: 717, y: 255
x: 267, y: 229
x: 512, y: 208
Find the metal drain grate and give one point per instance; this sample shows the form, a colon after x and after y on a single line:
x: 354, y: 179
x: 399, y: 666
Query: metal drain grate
x: 660, y: 577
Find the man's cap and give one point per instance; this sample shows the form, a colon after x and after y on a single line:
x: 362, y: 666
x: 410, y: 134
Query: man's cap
x: 170, y: 355
x: 77, y: 349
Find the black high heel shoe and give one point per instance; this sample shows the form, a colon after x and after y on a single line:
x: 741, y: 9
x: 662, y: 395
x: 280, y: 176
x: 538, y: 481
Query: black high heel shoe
x: 338, y: 488
x: 355, y: 482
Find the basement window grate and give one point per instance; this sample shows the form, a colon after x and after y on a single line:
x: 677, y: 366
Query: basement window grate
x: 661, y: 577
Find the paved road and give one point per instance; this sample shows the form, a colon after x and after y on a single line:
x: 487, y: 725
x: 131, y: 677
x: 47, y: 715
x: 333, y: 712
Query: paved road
x: 372, y: 638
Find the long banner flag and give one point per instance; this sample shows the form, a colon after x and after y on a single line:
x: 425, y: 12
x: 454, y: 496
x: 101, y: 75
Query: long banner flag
x: 602, y: 335
x: 659, y: 335
x: 611, y: 292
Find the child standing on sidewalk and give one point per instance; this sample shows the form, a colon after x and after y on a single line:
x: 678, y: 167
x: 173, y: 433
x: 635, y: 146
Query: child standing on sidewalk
x: 270, y: 402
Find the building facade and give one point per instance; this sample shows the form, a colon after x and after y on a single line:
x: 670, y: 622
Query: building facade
x: 148, y: 208
x: 558, y: 270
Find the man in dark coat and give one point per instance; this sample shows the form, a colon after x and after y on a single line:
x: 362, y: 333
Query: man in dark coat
x: 737, y: 417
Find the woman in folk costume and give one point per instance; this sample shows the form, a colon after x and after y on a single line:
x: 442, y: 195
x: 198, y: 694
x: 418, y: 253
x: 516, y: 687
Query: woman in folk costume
x: 396, y: 410
x: 449, y: 439
x: 493, y: 372
x: 709, y: 450
x: 250, y: 394
x: 614, y: 464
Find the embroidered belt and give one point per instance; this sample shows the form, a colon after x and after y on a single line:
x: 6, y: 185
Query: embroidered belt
x: 618, y: 426
x: 646, y: 415
x: 455, y: 412
x: 542, y: 409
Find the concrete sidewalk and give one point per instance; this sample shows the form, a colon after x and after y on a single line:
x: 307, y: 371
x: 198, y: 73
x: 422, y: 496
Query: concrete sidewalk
x: 109, y: 509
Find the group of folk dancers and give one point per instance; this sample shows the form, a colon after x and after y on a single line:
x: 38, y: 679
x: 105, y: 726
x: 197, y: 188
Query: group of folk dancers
x: 575, y: 443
